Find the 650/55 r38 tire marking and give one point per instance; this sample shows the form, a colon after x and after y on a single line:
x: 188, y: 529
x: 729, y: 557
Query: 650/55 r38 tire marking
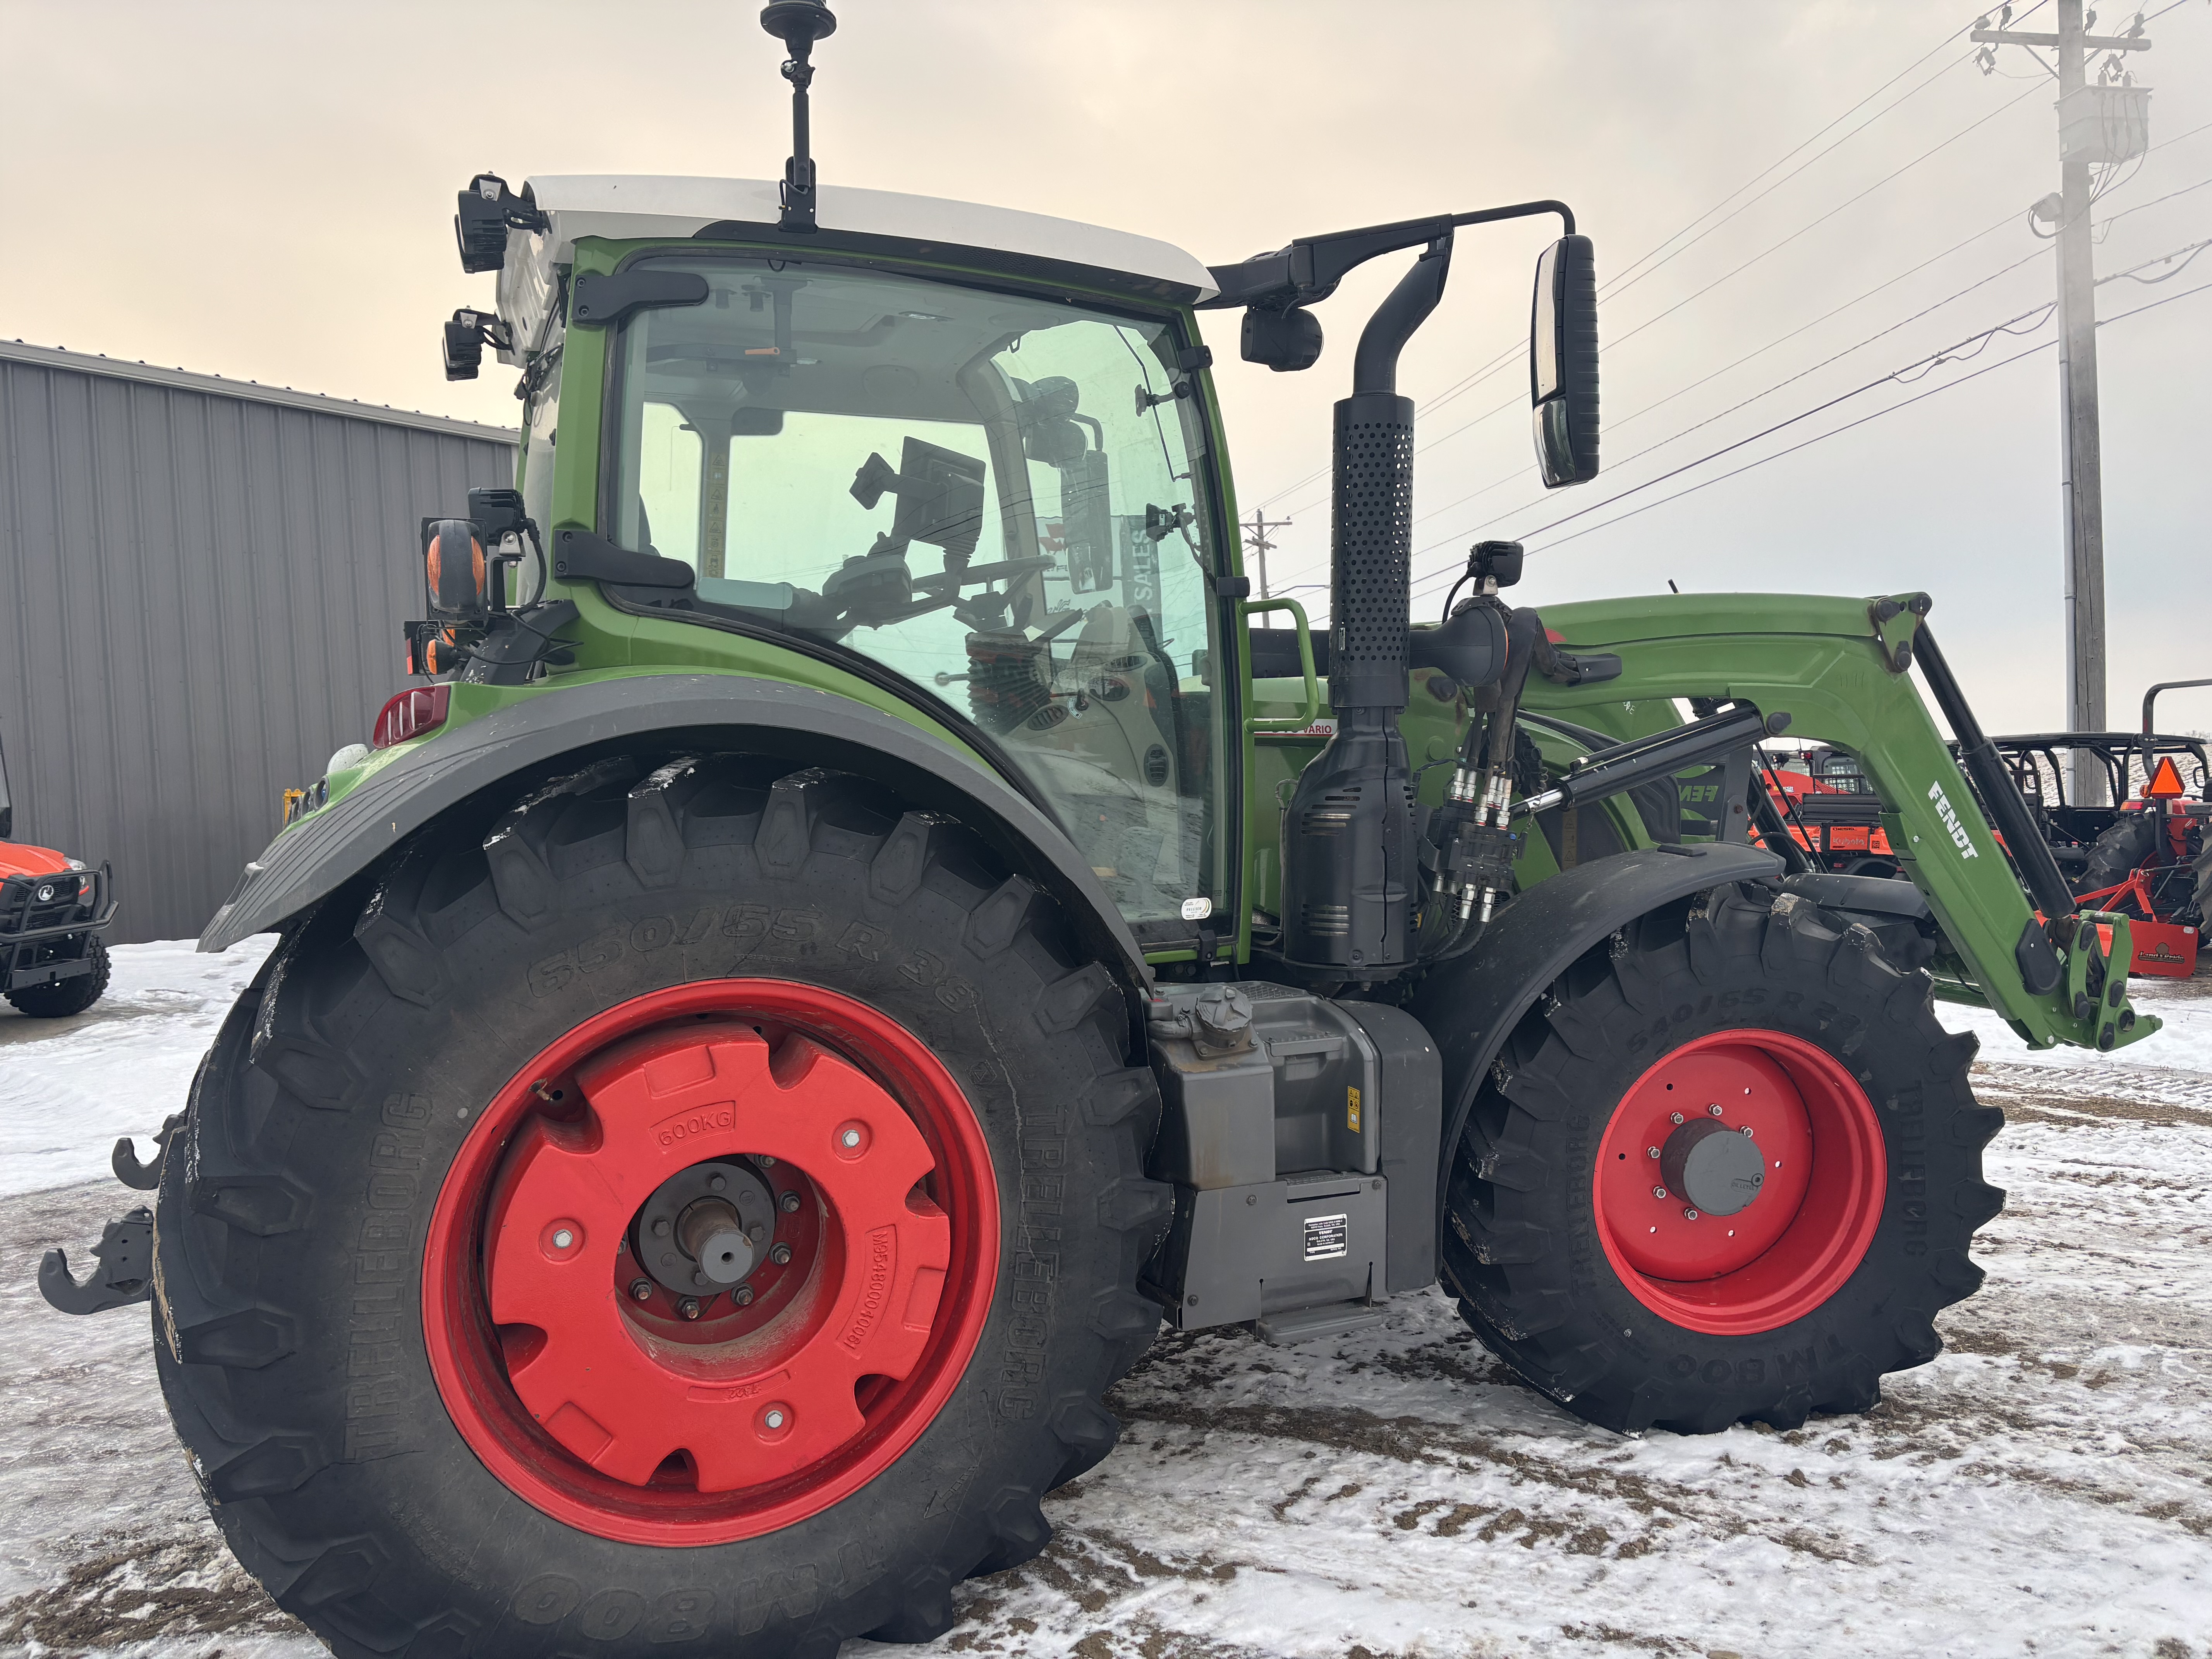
x: 585, y: 1406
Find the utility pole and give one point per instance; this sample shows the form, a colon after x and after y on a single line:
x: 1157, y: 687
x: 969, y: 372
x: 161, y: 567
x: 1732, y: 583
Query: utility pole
x: 1257, y: 544
x: 2086, y: 138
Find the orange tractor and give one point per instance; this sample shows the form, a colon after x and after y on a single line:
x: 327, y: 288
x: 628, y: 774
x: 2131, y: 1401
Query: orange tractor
x: 2146, y: 858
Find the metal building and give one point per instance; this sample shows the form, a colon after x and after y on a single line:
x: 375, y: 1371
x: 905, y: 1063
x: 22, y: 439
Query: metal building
x: 202, y: 582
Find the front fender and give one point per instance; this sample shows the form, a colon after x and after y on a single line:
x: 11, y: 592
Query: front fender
x: 1471, y: 1004
x: 319, y: 852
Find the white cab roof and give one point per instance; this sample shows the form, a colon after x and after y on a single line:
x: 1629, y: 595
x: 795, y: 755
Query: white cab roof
x: 621, y: 207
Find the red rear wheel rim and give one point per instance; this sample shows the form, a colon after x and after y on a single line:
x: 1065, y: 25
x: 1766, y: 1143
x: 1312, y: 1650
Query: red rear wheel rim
x: 618, y: 1419
x: 1791, y: 1248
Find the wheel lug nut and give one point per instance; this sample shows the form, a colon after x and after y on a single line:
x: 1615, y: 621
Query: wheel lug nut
x: 765, y: 1161
x: 780, y: 1255
x: 1651, y: 1152
x: 1658, y: 1192
x: 743, y: 1296
x: 1689, y: 1215
x: 849, y: 1139
x: 789, y: 1203
x: 1715, y: 1110
x: 641, y: 1289
x: 1673, y: 1117
x: 689, y: 1307
x: 660, y: 1226
x: 774, y: 1418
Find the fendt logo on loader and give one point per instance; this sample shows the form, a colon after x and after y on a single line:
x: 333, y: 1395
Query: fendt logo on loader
x: 1960, y: 838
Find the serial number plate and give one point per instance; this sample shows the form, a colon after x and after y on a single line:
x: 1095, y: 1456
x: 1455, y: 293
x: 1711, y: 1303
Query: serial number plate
x: 1328, y: 1235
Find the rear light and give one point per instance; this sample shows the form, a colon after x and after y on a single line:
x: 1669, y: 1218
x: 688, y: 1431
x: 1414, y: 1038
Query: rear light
x: 418, y: 709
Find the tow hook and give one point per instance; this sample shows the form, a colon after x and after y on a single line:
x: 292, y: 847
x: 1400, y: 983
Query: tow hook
x: 125, y: 1274
x: 124, y: 1159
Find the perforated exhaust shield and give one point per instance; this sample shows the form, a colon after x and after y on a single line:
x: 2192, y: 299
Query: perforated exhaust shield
x: 1348, y: 850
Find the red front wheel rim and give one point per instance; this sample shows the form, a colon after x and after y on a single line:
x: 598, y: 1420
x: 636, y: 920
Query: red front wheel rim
x: 1821, y: 1184
x: 849, y: 1179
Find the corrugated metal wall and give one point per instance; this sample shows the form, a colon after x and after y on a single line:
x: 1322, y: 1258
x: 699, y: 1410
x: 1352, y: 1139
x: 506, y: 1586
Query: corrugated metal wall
x: 201, y: 589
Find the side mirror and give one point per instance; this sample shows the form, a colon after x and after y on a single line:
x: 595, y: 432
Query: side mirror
x: 453, y: 569
x: 1563, y: 362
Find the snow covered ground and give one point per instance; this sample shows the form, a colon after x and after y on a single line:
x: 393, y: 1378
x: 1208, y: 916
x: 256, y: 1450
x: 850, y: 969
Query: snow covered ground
x: 2045, y: 1487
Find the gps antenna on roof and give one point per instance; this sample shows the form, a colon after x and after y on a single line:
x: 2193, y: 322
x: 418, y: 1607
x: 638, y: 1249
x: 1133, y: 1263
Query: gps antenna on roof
x: 798, y: 24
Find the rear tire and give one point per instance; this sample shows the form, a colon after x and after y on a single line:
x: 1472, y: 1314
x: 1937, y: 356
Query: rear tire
x: 2126, y: 844
x: 1597, y: 1291
x: 60, y: 998
x: 299, y: 1270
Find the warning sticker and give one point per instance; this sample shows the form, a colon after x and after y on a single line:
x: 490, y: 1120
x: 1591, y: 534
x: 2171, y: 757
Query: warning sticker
x: 1351, y: 1109
x: 1328, y: 1235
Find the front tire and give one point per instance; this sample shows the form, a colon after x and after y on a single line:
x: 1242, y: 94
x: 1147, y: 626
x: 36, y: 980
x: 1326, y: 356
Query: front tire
x: 417, y: 1186
x: 60, y: 998
x: 1575, y: 1235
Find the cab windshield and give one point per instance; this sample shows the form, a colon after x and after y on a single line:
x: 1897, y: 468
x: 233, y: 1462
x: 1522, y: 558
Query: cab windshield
x: 997, y: 497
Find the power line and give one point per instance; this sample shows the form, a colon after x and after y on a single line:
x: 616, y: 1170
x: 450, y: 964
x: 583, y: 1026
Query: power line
x: 1777, y: 246
x: 1615, y: 426
x: 1631, y: 282
x: 1816, y: 369
x: 1924, y: 366
x: 1500, y: 363
x: 1627, y: 277
x: 1876, y: 415
x: 1500, y: 483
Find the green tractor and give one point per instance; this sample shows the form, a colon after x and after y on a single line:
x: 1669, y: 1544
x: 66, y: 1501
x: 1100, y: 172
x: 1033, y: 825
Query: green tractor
x: 855, y: 929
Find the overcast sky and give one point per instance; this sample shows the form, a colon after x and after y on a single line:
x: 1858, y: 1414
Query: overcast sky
x: 265, y: 191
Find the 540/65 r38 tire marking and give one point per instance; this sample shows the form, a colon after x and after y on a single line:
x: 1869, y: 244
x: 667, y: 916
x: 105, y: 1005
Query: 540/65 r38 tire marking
x: 577, y: 1404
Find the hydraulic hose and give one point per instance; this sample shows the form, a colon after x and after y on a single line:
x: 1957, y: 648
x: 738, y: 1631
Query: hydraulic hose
x: 2000, y: 798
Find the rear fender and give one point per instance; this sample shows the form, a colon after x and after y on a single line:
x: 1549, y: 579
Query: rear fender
x: 1470, y: 1005
x: 710, y: 712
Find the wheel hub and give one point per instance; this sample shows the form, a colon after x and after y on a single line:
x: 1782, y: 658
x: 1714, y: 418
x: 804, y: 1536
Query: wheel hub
x: 705, y: 1229
x: 587, y: 1386
x: 1739, y: 1181
x: 677, y: 1128
x: 1717, y: 1170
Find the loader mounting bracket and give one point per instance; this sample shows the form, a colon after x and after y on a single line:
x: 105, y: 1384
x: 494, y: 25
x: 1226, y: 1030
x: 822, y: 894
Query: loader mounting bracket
x: 125, y: 1274
x: 1894, y: 619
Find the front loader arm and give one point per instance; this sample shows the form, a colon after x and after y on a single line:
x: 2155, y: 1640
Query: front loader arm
x: 1827, y: 663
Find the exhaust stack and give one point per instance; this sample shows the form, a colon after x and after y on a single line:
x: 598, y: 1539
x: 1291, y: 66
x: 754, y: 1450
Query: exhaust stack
x: 1349, y: 888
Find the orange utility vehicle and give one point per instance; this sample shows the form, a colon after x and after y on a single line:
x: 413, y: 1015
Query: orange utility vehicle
x: 53, y: 909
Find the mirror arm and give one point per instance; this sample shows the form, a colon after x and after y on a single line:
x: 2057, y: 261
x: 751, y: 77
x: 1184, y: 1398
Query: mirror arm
x: 1308, y: 270
x: 1520, y: 211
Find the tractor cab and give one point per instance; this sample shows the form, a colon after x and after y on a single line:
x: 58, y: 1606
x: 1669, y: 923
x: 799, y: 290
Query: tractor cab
x: 956, y: 451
